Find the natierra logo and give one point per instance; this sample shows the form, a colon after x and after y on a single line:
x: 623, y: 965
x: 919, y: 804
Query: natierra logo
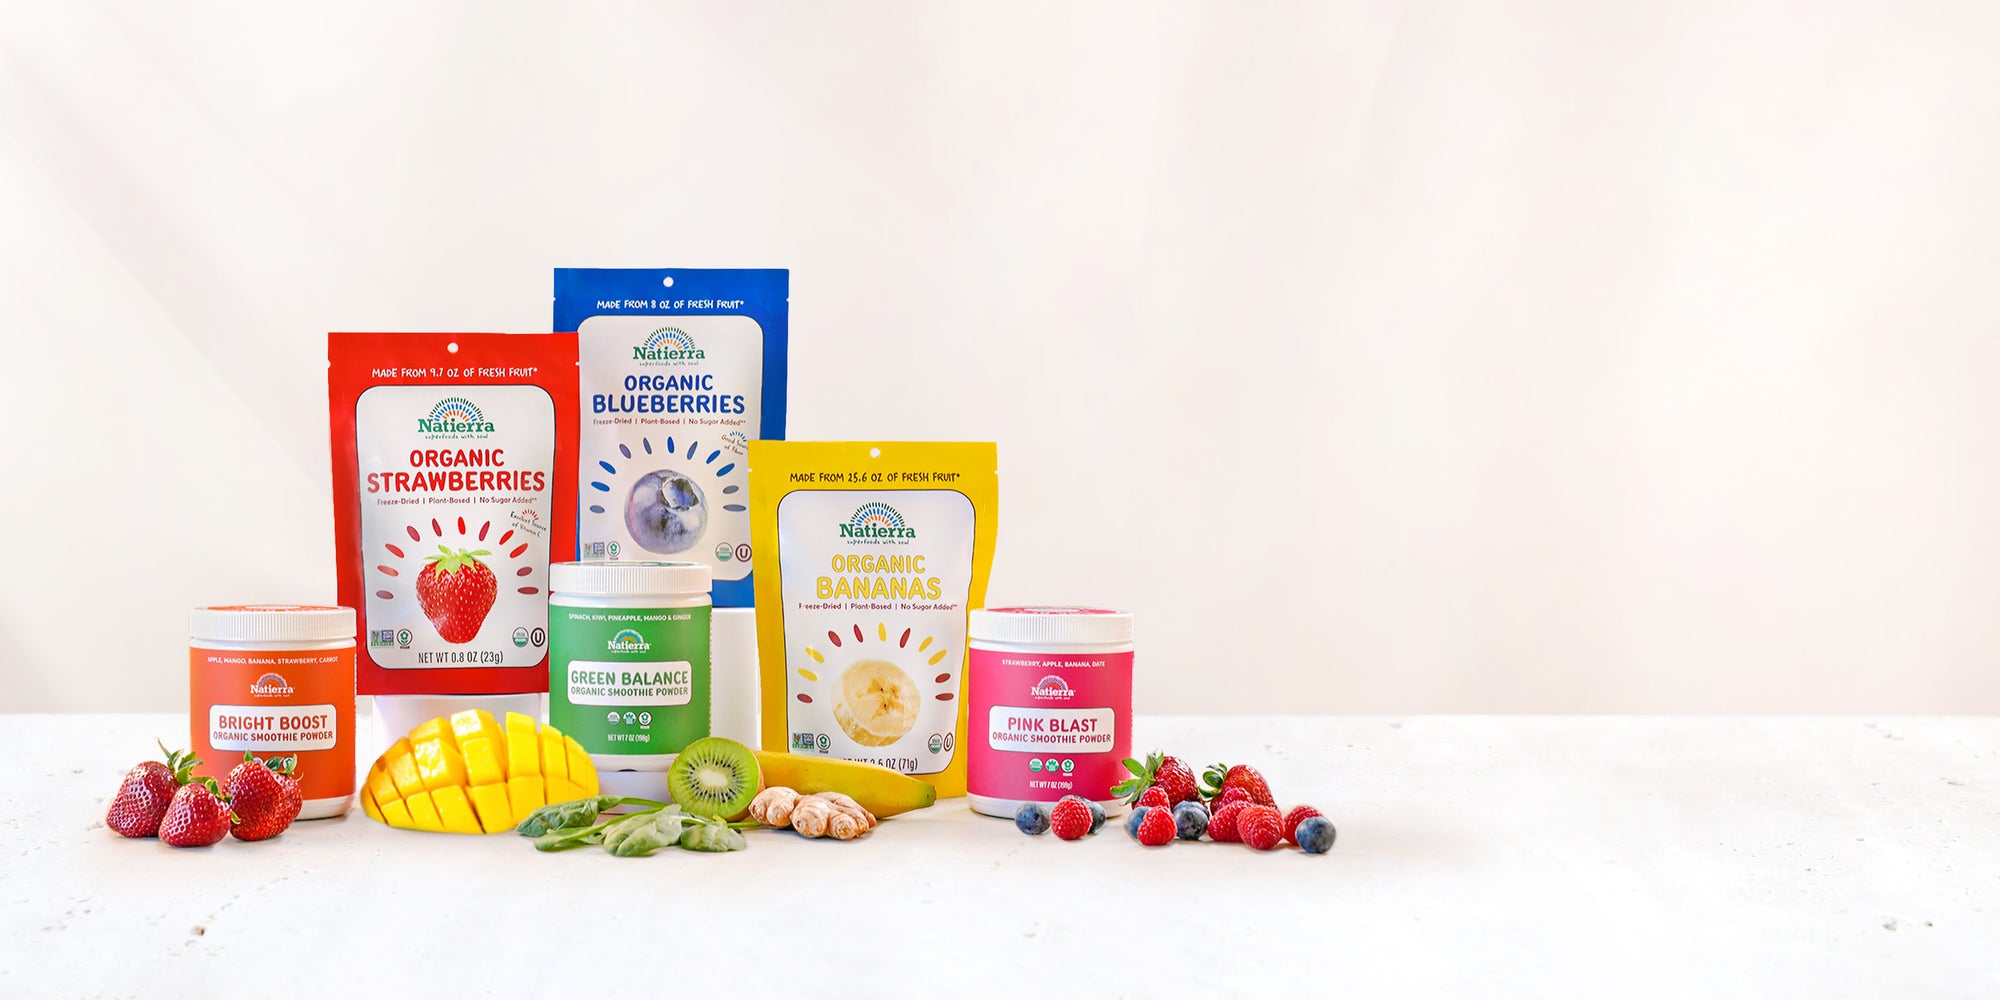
x: 1052, y: 688
x: 628, y: 641
x: 877, y: 521
x: 270, y: 686
x: 455, y: 416
x: 668, y: 346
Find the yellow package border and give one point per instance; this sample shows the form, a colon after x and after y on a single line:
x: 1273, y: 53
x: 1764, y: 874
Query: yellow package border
x: 780, y: 468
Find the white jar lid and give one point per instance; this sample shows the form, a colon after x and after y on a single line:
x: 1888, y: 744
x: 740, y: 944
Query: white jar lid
x: 1049, y: 623
x: 272, y: 622
x: 628, y: 579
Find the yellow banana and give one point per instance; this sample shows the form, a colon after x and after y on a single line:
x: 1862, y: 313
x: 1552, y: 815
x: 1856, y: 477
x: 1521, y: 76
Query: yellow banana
x: 878, y: 789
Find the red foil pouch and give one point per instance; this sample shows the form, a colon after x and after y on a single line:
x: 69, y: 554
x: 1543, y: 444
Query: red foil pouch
x: 454, y: 485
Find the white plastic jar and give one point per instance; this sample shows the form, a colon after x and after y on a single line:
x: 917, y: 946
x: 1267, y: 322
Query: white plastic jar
x: 277, y: 681
x: 629, y: 657
x: 1049, y: 705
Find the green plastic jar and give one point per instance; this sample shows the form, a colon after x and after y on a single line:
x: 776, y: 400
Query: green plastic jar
x: 628, y: 659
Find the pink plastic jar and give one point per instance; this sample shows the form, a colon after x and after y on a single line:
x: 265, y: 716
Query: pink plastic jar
x: 1049, y: 706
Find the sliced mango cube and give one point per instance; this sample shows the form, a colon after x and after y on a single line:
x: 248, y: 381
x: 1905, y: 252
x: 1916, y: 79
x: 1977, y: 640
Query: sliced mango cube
x: 485, y: 763
x: 581, y: 772
x: 423, y: 813
x: 555, y: 756
x: 468, y: 773
x: 524, y: 747
x: 490, y: 802
x: 562, y: 790
x: 524, y: 795
x: 434, y: 729
x: 380, y: 784
x: 439, y: 765
x: 456, y: 810
x: 471, y: 723
x: 403, y: 769
x: 396, y: 814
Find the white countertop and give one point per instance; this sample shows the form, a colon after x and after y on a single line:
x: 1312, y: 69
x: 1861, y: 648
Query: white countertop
x: 1489, y: 856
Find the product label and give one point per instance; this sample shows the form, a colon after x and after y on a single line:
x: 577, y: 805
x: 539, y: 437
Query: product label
x: 670, y: 405
x: 875, y: 588
x: 632, y: 681
x: 277, y: 704
x: 1056, y: 724
x: 269, y: 730
x: 1038, y: 730
x: 456, y: 507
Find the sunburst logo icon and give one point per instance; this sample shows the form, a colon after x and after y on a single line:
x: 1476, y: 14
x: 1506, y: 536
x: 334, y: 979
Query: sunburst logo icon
x: 667, y: 345
x: 455, y: 416
x: 876, y: 520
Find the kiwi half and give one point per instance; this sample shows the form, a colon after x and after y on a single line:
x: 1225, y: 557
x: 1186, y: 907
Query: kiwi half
x: 715, y: 777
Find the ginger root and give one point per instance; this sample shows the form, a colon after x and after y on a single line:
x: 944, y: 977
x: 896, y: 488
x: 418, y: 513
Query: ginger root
x: 822, y: 814
x: 773, y: 806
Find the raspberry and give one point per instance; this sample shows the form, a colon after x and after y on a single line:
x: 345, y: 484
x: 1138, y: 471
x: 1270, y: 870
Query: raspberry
x: 1154, y: 796
x: 1315, y: 835
x: 1299, y: 814
x: 1230, y: 794
x: 1132, y: 822
x: 1157, y: 829
x: 1222, y: 825
x: 1190, y: 821
x: 1070, y: 819
x: 1259, y: 827
x: 1032, y: 819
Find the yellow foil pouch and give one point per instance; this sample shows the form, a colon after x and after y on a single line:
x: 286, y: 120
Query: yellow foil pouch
x: 868, y: 556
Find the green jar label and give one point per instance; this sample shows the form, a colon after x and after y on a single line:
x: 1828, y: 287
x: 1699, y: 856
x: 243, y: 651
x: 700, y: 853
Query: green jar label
x: 629, y: 681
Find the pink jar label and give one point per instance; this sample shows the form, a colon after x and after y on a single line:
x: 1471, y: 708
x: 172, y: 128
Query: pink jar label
x: 1040, y: 726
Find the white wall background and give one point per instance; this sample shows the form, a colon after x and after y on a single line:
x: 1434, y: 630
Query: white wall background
x: 1384, y: 357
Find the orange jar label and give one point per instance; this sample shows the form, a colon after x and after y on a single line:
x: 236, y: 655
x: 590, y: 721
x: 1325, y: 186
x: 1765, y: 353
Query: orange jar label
x: 276, y: 704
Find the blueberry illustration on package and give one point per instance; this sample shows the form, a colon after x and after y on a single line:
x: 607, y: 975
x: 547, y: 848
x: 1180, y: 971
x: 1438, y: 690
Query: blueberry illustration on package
x: 679, y: 370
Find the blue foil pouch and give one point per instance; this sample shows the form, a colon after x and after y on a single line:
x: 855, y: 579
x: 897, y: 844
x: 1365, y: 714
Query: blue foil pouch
x: 679, y: 370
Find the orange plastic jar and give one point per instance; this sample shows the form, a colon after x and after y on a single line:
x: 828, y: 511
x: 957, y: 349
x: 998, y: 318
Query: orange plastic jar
x: 276, y: 680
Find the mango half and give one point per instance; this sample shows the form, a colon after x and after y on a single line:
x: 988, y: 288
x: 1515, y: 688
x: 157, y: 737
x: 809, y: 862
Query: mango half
x: 469, y: 774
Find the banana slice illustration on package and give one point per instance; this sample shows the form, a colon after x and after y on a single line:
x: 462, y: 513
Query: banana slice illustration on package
x: 878, y: 703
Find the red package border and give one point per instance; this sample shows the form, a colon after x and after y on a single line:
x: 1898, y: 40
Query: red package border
x: 468, y: 458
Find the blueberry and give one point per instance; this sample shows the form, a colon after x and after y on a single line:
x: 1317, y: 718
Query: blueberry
x: 1032, y: 819
x: 1096, y: 815
x: 1315, y: 835
x: 1132, y: 822
x: 1190, y: 821
x: 665, y: 512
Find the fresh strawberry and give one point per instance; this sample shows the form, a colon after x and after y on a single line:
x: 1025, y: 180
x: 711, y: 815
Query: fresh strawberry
x: 1167, y: 774
x: 1153, y: 797
x: 456, y: 590
x: 1070, y: 819
x: 1299, y: 814
x: 265, y: 797
x: 1259, y: 826
x: 1222, y: 825
x: 1219, y: 779
x: 1157, y: 828
x: 1230, y: 795
x: 142, y: 798
x: 196, y: 817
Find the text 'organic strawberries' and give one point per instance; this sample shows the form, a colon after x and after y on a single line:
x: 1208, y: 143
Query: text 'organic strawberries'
x: 454, y: 478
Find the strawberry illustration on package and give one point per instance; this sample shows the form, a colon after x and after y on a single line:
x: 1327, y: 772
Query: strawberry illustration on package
x: 454, y: 479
